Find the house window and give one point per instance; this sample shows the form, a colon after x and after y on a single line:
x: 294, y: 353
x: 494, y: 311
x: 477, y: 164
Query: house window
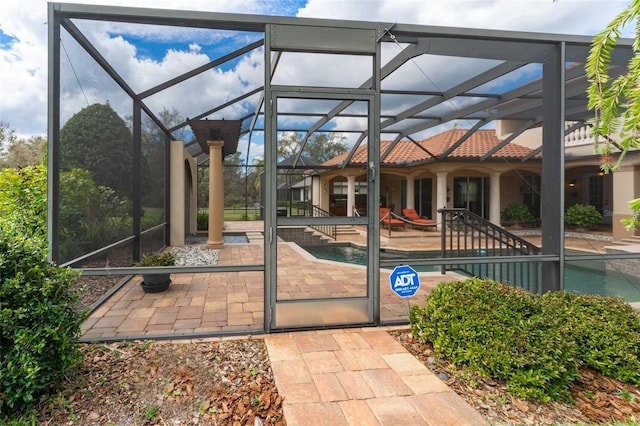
x: 531, y: 193
x: 340, y: 187
x: 596, y: 192
x: 472, y: 193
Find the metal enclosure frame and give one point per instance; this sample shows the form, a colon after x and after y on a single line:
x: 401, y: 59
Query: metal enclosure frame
x: 559, y: 96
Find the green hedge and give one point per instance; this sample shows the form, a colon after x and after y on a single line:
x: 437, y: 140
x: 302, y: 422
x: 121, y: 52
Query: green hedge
x: 39, y: 323
x: 582, y: 216
x: 606, y: 330
x: 535, y: 344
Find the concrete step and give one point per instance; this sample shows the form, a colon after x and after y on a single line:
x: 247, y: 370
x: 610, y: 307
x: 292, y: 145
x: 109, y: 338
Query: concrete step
x: 632, y: 240
x: 346, y: 230
x: 302, y: 236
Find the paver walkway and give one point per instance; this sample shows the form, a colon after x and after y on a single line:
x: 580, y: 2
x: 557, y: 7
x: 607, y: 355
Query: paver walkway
x: 360, y: 377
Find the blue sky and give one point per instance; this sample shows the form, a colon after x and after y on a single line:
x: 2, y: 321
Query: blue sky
x: 151, y: 55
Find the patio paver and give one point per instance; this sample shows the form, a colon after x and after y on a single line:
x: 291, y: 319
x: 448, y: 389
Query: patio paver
x: 322, y: 384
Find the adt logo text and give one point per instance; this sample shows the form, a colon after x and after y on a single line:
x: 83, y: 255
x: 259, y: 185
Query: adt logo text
x: 404, y: 281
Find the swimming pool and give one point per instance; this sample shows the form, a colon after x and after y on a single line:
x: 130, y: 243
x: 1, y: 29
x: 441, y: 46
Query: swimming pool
x: 227, y: 237
x: 596, y: 279
x: 357, y: 255
x: 581, y: 277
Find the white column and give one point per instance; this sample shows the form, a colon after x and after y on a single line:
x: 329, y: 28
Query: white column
x: 441, y: 194
x: 494, y: 198
x: 351, y: 194
x: 410, y: 201
x: 216, y: 195
x: 176, y: 197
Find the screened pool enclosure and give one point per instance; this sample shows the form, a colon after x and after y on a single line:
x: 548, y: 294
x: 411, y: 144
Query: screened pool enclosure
x: 127, y: 145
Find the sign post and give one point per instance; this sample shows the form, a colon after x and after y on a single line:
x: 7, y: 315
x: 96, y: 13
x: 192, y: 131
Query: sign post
x: 404, y: 281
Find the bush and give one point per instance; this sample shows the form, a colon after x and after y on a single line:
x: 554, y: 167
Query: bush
x: 91, y: 215
x: 517, y: 213
x: 23, y: 198
x: 535, y: 344
x: 203, y: 220
x: 498, y: 331
x: 607, y: 331
x: 582, y: 216
x: 39, y: 326
x: 157, y: 259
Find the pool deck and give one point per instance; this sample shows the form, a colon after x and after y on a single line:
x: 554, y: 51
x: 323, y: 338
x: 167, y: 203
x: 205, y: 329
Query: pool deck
x: 231, y: 302
x: 334, y: 376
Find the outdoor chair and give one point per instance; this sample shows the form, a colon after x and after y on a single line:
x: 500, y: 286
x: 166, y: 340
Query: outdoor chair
x: 417, y: 221
x: 388, y: 221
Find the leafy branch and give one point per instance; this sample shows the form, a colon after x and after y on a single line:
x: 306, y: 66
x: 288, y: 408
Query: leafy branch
x: 615, y: 100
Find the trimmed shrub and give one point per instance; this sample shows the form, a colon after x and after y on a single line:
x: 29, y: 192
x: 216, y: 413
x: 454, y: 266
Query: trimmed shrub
x: 535, y: 344
x: 606, y: 330
x: 582, y: 216
x: 498, y: 331
x: 517, y: 213
x: 39, y: 325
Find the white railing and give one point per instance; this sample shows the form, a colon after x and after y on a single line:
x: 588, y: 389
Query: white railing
x: 580, y: 136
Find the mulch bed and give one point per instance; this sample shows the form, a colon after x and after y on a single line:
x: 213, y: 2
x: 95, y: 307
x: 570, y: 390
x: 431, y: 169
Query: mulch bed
x: 218, y: 383
x: 597, y: 399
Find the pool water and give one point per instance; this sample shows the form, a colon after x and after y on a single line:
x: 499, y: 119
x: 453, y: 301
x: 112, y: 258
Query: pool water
x: 594, y: 279
x: 228, y: 238
x: 358, y: 256
x: 235, y: 238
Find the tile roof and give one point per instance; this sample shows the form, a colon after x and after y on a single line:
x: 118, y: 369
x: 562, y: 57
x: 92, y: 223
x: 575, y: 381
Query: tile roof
x: 407, y: 152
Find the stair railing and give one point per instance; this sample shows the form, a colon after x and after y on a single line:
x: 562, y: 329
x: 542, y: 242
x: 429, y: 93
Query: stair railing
x: 328, y: 230
x: 468, y: 235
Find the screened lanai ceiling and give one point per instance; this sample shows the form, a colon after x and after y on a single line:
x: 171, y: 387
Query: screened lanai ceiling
x: 432, y: 78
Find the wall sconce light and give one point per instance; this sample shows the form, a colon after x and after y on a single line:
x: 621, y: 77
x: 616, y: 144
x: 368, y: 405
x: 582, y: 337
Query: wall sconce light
x: 572, y: 184
x: 601, y: 173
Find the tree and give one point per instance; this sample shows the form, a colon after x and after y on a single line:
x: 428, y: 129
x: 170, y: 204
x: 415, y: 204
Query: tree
x: 324, y: 146
x: 616, y: 101
x: 24, y: 152
x: 23, y: 198
x: 203, y: 187
x: 254, y: 179
x: 97, y: 139
x: 7, y: 136
x: 234, y: 180
x: 153, y: 154
x: 320, y: 147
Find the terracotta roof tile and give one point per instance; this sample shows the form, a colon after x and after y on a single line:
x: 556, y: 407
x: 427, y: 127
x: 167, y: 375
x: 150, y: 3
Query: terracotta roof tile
x: 476, y: 146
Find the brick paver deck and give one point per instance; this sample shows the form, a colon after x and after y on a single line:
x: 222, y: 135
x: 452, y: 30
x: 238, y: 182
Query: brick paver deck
x: 234, y: 301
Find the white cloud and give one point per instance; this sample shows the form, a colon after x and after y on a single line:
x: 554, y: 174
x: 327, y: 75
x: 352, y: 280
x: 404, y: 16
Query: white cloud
x: 564, y: 16
x: 256, y: 151
x: 23, y: 87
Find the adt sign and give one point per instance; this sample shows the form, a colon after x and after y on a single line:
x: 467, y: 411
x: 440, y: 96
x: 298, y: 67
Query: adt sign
x: 404, y: 281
